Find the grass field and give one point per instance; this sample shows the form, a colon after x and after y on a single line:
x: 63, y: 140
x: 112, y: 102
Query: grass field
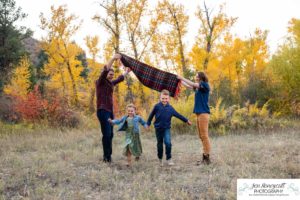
x: 53, y: 164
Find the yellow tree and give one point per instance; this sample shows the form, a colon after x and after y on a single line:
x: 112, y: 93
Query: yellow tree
x: 257, y: 54
x: 176, y: 19
x: 111, y: 21
x: 20, y: 81
x: 258, y: 84
x: 294, y: 30
x: 139, y: 32
x: 239, y: 63
x: 163, y: 51
x: 231, y: 53
x: 63, y: 67
x: 226, y: 72
x: 94, y: 69
x: 139, y: 35
x: 212, y: 28
x: 243, y: 63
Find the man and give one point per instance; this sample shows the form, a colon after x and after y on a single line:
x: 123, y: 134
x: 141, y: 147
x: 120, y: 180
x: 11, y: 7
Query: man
x: 104, y: 91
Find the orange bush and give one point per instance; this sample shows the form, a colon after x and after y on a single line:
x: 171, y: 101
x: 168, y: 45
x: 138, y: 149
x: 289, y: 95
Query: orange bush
x: 53, y: 109
x: 32, y: 107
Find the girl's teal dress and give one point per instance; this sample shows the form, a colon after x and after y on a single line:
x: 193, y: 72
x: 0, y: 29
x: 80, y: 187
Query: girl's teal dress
x: 132, y: 140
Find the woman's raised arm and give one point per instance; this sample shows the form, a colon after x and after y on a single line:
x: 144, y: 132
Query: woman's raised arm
x: 188, y: 82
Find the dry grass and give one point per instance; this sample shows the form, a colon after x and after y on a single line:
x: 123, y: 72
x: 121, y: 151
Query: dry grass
x: 66, y: 165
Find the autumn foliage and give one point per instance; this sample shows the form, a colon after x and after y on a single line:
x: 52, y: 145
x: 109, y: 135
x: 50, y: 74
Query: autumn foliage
x: 241, y: 70
x: 35, y: 108
x: 32, y: 107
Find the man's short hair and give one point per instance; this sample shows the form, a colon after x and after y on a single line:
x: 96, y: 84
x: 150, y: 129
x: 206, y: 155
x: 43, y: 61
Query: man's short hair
x: 165, y: 92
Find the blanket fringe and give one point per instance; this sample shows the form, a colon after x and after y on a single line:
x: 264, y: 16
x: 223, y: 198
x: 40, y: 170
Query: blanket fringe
x: 178, y: 88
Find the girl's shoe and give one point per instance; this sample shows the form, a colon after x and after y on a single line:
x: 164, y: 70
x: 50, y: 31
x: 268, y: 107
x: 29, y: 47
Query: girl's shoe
x: 170, y: 162
x: 161, y: 163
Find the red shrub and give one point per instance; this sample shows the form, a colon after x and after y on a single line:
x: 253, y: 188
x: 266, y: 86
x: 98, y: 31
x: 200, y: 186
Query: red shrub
x: 51, y: 108
x: 32, y: 107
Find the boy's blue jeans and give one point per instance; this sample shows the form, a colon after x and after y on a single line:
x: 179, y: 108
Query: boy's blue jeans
x: 163, y: 136
x: 107, y: 133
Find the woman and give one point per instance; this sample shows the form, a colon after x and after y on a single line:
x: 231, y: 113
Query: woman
x: 201, y: 109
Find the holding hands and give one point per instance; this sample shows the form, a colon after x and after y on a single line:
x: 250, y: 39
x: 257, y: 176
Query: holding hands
x: 117, y: 56
x: 147, y: 127
x: 127, y: 70
x: 110, y: 120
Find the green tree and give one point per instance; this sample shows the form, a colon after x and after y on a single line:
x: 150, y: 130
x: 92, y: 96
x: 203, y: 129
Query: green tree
x: 286, y: 66
x: 11, y: 48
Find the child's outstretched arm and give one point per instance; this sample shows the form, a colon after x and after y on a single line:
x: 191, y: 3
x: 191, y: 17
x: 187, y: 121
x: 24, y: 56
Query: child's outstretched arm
x: 117, y: 121
x: 182, y: 118
x: 143, y: 123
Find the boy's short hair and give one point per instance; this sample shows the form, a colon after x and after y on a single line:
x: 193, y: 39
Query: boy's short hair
x: 131, y: 105
x: 165, y: 92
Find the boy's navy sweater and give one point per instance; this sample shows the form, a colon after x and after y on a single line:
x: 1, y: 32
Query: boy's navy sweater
x: 163, y: 115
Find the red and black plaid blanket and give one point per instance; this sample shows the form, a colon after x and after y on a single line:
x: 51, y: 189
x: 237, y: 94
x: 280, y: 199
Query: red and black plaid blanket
x: 152, y: 77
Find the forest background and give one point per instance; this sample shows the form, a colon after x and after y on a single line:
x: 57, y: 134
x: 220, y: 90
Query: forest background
x: 52, y: 81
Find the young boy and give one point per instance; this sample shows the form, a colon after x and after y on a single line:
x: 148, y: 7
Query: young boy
x: 163, y: 113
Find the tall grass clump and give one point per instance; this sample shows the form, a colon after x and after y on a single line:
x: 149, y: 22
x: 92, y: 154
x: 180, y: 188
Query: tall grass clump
x: 235, y: 118
x: 184, y: 107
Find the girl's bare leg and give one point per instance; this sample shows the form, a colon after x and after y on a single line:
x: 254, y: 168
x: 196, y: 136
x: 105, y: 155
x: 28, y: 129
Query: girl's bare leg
x: 128, y: 157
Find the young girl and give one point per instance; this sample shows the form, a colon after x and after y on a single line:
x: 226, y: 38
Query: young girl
x: 130, y: 124
x: 201, y: 109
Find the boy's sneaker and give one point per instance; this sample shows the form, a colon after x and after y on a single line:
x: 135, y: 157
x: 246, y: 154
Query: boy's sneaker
x: 161, y: 163
x: 170, y: 162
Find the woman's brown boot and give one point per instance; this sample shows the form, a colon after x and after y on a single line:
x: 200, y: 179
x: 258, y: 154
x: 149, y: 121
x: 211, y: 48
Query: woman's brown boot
x: 206, y: 159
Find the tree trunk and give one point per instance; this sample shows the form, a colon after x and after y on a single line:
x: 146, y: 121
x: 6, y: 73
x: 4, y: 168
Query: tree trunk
x: 91, y: 101
x: 74, y: 88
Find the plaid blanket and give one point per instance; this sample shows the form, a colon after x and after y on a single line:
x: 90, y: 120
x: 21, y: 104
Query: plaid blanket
x: 152, y: 77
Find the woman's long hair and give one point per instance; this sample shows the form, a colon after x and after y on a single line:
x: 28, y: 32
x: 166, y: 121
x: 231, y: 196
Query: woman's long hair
x: 202, y: 76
